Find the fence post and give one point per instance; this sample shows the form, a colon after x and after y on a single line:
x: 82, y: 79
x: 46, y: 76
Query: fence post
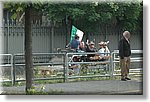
x: 14, y: 70
x: 112, y: 66
x: 64, y: 65
x: 66, y: 68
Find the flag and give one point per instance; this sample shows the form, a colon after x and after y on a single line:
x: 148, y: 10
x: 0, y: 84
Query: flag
x: 74, y: 32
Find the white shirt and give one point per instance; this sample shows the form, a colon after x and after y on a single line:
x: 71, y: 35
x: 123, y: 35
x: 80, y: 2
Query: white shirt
x: 102, y: 51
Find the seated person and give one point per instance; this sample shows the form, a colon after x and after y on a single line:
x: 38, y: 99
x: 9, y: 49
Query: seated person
x: 103, y: 51
x: 82, y: 47
x: 74, y: 67
x: 75, y: 43
x: 91, y: 48
x: 107, y: 51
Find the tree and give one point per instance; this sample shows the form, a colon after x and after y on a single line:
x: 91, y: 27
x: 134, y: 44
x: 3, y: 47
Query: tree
x: 27, y: 8
x: 28, y: 48
x: 69, y: 13
x: 126, y: 15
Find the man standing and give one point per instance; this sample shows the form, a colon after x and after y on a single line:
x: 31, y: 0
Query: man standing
x: 75, y: 43
x: 125, y: 53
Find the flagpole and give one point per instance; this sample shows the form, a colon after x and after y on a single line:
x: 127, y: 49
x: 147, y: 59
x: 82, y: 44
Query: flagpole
x: 68, y: 45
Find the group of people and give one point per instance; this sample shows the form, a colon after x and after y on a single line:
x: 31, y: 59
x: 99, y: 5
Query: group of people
x: 89, y: 47
x: 103, y: 52
x: 100, y: 54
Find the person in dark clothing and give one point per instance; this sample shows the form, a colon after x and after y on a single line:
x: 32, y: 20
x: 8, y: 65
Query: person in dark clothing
x: 125, y: 53
x: 75, y: 43
x: 91, y: 48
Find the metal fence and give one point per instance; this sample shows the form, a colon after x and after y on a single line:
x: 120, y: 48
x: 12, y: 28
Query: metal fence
x: 46, y: 66
x: 136, y: 66
x: 6, y: 67
x: 51, y: 66
x: 44, y: 41
x: 88, y: 69
x: 42, y: 37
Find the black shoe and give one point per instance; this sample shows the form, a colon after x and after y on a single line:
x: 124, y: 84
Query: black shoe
x: 123, y: 79
x: 127, y: 78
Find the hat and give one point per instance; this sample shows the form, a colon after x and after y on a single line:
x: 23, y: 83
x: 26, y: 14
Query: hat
x: 91, y: 43
x: 105, y: 43
x: 101, y: 43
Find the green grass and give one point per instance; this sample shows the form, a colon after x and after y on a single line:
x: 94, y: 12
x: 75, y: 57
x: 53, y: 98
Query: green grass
x: 36, y: 92
x: 83, y: 72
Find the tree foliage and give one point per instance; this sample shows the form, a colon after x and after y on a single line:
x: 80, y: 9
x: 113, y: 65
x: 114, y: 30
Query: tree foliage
x: 19, y: 7
x: 126, y: 15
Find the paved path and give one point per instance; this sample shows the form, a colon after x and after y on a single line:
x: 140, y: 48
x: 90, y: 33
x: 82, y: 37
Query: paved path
x: 105, y: 87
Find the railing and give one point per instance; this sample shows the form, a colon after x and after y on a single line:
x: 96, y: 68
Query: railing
x: 88, y: 64
x: 6, y: 64
x: 50, y: 66
x: 136, y: 57
x: 43, y: 62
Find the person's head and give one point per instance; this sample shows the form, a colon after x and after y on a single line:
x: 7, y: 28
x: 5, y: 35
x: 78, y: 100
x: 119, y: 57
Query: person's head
x: 91, y: 44
x: 101, y: 44
x: 126, y: 34
x: 76, y: 37
x: 75, y: 59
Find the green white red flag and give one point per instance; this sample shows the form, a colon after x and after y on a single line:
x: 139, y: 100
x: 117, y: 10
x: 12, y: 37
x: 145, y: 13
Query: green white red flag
x: 76, y: 31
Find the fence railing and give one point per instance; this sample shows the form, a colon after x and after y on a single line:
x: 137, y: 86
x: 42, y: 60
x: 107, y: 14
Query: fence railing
x: 87, y: 66
x: 49, y: 66
x: 43, y: 62
x: 6, y: 63
x: 136, y: 57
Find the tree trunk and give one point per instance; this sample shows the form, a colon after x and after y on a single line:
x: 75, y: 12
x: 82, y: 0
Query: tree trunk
x: 52, y: 36
x: 28, y: 49
x: 69, y: 22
